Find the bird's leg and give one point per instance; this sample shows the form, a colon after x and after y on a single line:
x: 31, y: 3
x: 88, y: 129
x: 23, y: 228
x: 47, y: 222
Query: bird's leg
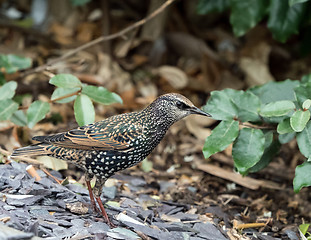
x: 97, y: 190
x: 88, y: 178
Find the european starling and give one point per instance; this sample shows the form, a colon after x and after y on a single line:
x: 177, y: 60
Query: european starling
x: 113, y: 144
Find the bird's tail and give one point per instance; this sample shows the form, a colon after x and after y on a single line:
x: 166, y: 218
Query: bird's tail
x: 32, y: 150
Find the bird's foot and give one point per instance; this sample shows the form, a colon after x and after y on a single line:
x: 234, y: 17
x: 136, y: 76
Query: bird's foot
x: 103, y: 211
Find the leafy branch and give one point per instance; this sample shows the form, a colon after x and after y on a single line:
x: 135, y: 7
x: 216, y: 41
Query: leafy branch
x: 274, y: 114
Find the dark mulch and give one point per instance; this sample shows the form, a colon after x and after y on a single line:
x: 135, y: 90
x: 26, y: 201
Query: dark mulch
x: 48, y: 210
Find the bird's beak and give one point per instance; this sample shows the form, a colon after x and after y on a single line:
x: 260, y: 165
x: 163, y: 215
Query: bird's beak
x: 195, y: 110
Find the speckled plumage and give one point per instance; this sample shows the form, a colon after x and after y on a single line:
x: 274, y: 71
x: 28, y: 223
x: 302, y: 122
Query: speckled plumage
x: 116, y: 143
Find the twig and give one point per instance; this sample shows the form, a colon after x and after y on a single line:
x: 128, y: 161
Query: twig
x: 249, y: 125
x: 65, y: 96
x: 54, y: 100
x: 101, y: 39
x: 250, y: 225
x: 49, y: 174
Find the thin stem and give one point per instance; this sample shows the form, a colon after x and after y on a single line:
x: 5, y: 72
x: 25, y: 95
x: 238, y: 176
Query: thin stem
x: 65, y: 96
x: 246, y: 124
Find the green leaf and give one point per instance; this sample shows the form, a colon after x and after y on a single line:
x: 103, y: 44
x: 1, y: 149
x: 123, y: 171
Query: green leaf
x: 306, y: 78
x: 271, y: 149
x: 246, y: 14
x: 101, y: 95
x: 248, y: 149
x: 277, y: 109
x: 293, y: 2
x: 287, y: 137
x: 304, y: 140
x: 19, y: 118
x: 303, y: 92
x: 12, y: 63
x: 84, y: 110
x: 306, y: 104
x: 302, y: 176
x: 60, y: 92
x: 247, y: 103
x: 224, y: 134
x: 8, y: 90
x: 220, y: 105
x: 299, y: 120
x: 65, y: 80
x: 208, y: 6
x: 36, y: 112
x: 276, y: 91
x: 284, y: 126
x: 284, y: 20
x: 304, y: 228
x: 146, y: 165
x: 7, y: 108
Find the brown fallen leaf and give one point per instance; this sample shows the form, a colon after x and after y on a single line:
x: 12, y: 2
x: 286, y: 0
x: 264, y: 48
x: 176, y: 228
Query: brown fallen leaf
x: 174, y: 76
x: 197, y: 125
x: 77, y: 207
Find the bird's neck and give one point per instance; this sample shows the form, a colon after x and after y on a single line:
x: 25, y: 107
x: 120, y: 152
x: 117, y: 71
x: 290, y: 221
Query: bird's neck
x: 156, y: 115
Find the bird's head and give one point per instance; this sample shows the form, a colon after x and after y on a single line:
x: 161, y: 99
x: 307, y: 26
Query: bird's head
x: 175, y: 106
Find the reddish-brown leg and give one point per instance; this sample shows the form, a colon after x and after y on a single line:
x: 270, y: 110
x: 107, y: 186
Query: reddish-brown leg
x: 101, y: 206
x: 97, y: 191
x: 93, y: 203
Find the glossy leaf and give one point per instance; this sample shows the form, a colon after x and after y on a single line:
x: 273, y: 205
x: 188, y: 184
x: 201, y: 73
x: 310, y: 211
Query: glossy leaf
x: 8, y: 90
x: 284, y: 127
x: 306, y: 104
x: 271, y: 149
x: 246, y: 14
x: 36, y: 112
x: 303, y: 93
x: 12, y: 63
x: 208, y: 6
x: 101, y: 94
x: 224, y: 134
x: 65, y: 80
x: 248, y: 149
x: 277, y: 109
x: 220, y: 106
x: 302, y: 176
x: 299, y: 120
x: 19, y: 118
x: 84, y: 110
x: 304, y: 140
x: 7, y: 108
x: 60, y: 92
x: 284, y: 20
x: 276, y: 91
x: 247, y: 104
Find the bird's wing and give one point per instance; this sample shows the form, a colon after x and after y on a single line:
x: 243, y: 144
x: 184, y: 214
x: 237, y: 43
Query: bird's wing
x: 111, y: 136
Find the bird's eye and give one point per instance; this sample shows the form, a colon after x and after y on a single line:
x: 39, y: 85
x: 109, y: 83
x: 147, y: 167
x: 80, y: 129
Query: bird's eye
x: 181, y: 105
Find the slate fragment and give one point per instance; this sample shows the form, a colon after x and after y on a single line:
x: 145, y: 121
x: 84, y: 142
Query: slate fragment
x: 208, y: 231
x: 110, y: 192
x: 12, y: 234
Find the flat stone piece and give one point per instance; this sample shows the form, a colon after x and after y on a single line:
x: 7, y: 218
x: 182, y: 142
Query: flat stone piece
x: 209, y: 231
